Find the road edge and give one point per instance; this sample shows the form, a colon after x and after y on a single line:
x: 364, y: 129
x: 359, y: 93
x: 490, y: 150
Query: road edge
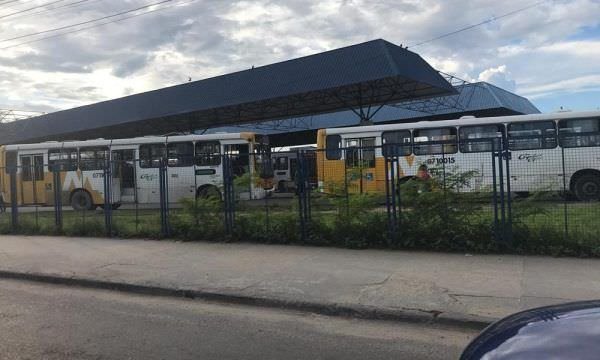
x: 413, y: 315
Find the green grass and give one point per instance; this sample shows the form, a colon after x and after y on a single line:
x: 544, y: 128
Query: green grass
x: 465, y: 225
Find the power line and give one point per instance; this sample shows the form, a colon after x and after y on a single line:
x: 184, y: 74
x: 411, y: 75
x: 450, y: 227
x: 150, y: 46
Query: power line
x: 8, y: 2
x: 95, y: 25
x: 69, y: 5
x: 29, y: 9
x: 494, y: 18
x: 86, y: 22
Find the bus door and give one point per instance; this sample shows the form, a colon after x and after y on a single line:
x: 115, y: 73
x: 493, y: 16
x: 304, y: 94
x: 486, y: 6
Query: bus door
x: 293, y: 168
x: 282, y: 171
x: 180, y: 172
x: 147, y: 171
x: 124, y: 170
x: 33, y: 186
x: 208, y: 168
x: 360, y: 165
x: 239, y: 156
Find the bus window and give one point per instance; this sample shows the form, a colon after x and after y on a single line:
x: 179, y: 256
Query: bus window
x: 32, y: 167
x: 532, y: 135
x: 281, y: 163
x: 352, y: 156
x: 368, y: 152
x: 208, y: 153
x: 435, y: 141
x: 579, y: 132
x: 479, y: 138
x: 333, y: 143
x: 62, y: 159
x: 26, y: 168
x: 38, y: 167
x: 396, y: 143
x: 360, y: 152
x: 151, y: 155
x: 93, y: 158
x: 180, y: 154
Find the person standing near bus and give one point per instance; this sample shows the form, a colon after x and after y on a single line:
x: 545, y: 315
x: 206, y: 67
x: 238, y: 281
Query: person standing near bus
x: 423, y: 176
x: 423, y: 173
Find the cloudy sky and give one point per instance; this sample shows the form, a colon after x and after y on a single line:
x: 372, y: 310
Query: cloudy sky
x: 549, y: 53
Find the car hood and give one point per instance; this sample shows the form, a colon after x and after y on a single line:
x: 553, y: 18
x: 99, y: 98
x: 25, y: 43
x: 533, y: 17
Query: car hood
x: 566, y: 331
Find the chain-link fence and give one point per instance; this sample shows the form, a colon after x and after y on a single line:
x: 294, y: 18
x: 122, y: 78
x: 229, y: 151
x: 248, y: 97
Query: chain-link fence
x: 479, y: 195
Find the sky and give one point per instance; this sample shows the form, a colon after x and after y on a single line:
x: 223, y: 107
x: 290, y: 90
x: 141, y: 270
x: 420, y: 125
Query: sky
x: 549, y: 53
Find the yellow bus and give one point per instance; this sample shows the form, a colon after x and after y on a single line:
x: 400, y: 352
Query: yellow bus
x: 354, y: 156
x: 81, y: 165
x: 194, y: 168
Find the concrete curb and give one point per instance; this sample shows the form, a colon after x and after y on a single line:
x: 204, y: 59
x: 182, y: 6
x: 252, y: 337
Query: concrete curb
x: 330, y: 309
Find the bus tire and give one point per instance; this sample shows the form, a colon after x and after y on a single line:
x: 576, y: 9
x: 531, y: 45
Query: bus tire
x: 82, y: 200
x: 208, y: 192
x: 586, y: 186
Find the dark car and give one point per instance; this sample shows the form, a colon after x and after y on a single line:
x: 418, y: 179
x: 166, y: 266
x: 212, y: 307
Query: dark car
x: 566, y: 331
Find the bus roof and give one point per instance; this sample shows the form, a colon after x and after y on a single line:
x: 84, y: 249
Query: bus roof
x: 132, y: 141
x: 464, y: 121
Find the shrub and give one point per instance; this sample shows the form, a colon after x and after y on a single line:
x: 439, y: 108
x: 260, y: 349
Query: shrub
x: 199, y: 219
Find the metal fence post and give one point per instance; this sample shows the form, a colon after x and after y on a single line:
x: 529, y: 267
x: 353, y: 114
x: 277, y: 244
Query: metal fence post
x: 390, y: 197
x: 108, y: 200
x: 506, y: 156
x: 565, y: 195
x: 502, y: 194
x: 228, y: 194
x: 495, y: 191
x: 14, y: 205
x: 346, y: 183
x: 58, y: 219
x: 301, y: 180
x: 163, y: 196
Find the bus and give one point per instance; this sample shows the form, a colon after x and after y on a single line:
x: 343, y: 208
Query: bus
x: 194, y: 168
x: 285, y: 166
x: 538, y: 145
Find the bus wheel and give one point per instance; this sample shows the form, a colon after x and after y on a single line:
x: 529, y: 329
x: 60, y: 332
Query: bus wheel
x: 587, y: 187
x: 81, y: 200
x: 208, y: 192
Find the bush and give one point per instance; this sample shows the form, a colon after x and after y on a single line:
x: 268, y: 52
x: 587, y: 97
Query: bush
x: 199, y: 219
x: 436, y: 214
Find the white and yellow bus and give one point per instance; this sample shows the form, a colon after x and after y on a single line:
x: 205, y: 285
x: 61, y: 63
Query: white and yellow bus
x: 194, y: 168
x: 536, y: 144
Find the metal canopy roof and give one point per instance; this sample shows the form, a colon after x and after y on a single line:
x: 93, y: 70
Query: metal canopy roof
x: 359, y: 76
x: 480, y: 99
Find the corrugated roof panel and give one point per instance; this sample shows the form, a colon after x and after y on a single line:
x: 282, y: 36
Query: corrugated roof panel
x: 311, y: 84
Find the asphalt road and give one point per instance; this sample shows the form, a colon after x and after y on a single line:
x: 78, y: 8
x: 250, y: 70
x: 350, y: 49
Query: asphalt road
x: 39, y: 321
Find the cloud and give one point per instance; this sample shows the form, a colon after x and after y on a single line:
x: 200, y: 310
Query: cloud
x: 498, y: 76
x: 528, y: 53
